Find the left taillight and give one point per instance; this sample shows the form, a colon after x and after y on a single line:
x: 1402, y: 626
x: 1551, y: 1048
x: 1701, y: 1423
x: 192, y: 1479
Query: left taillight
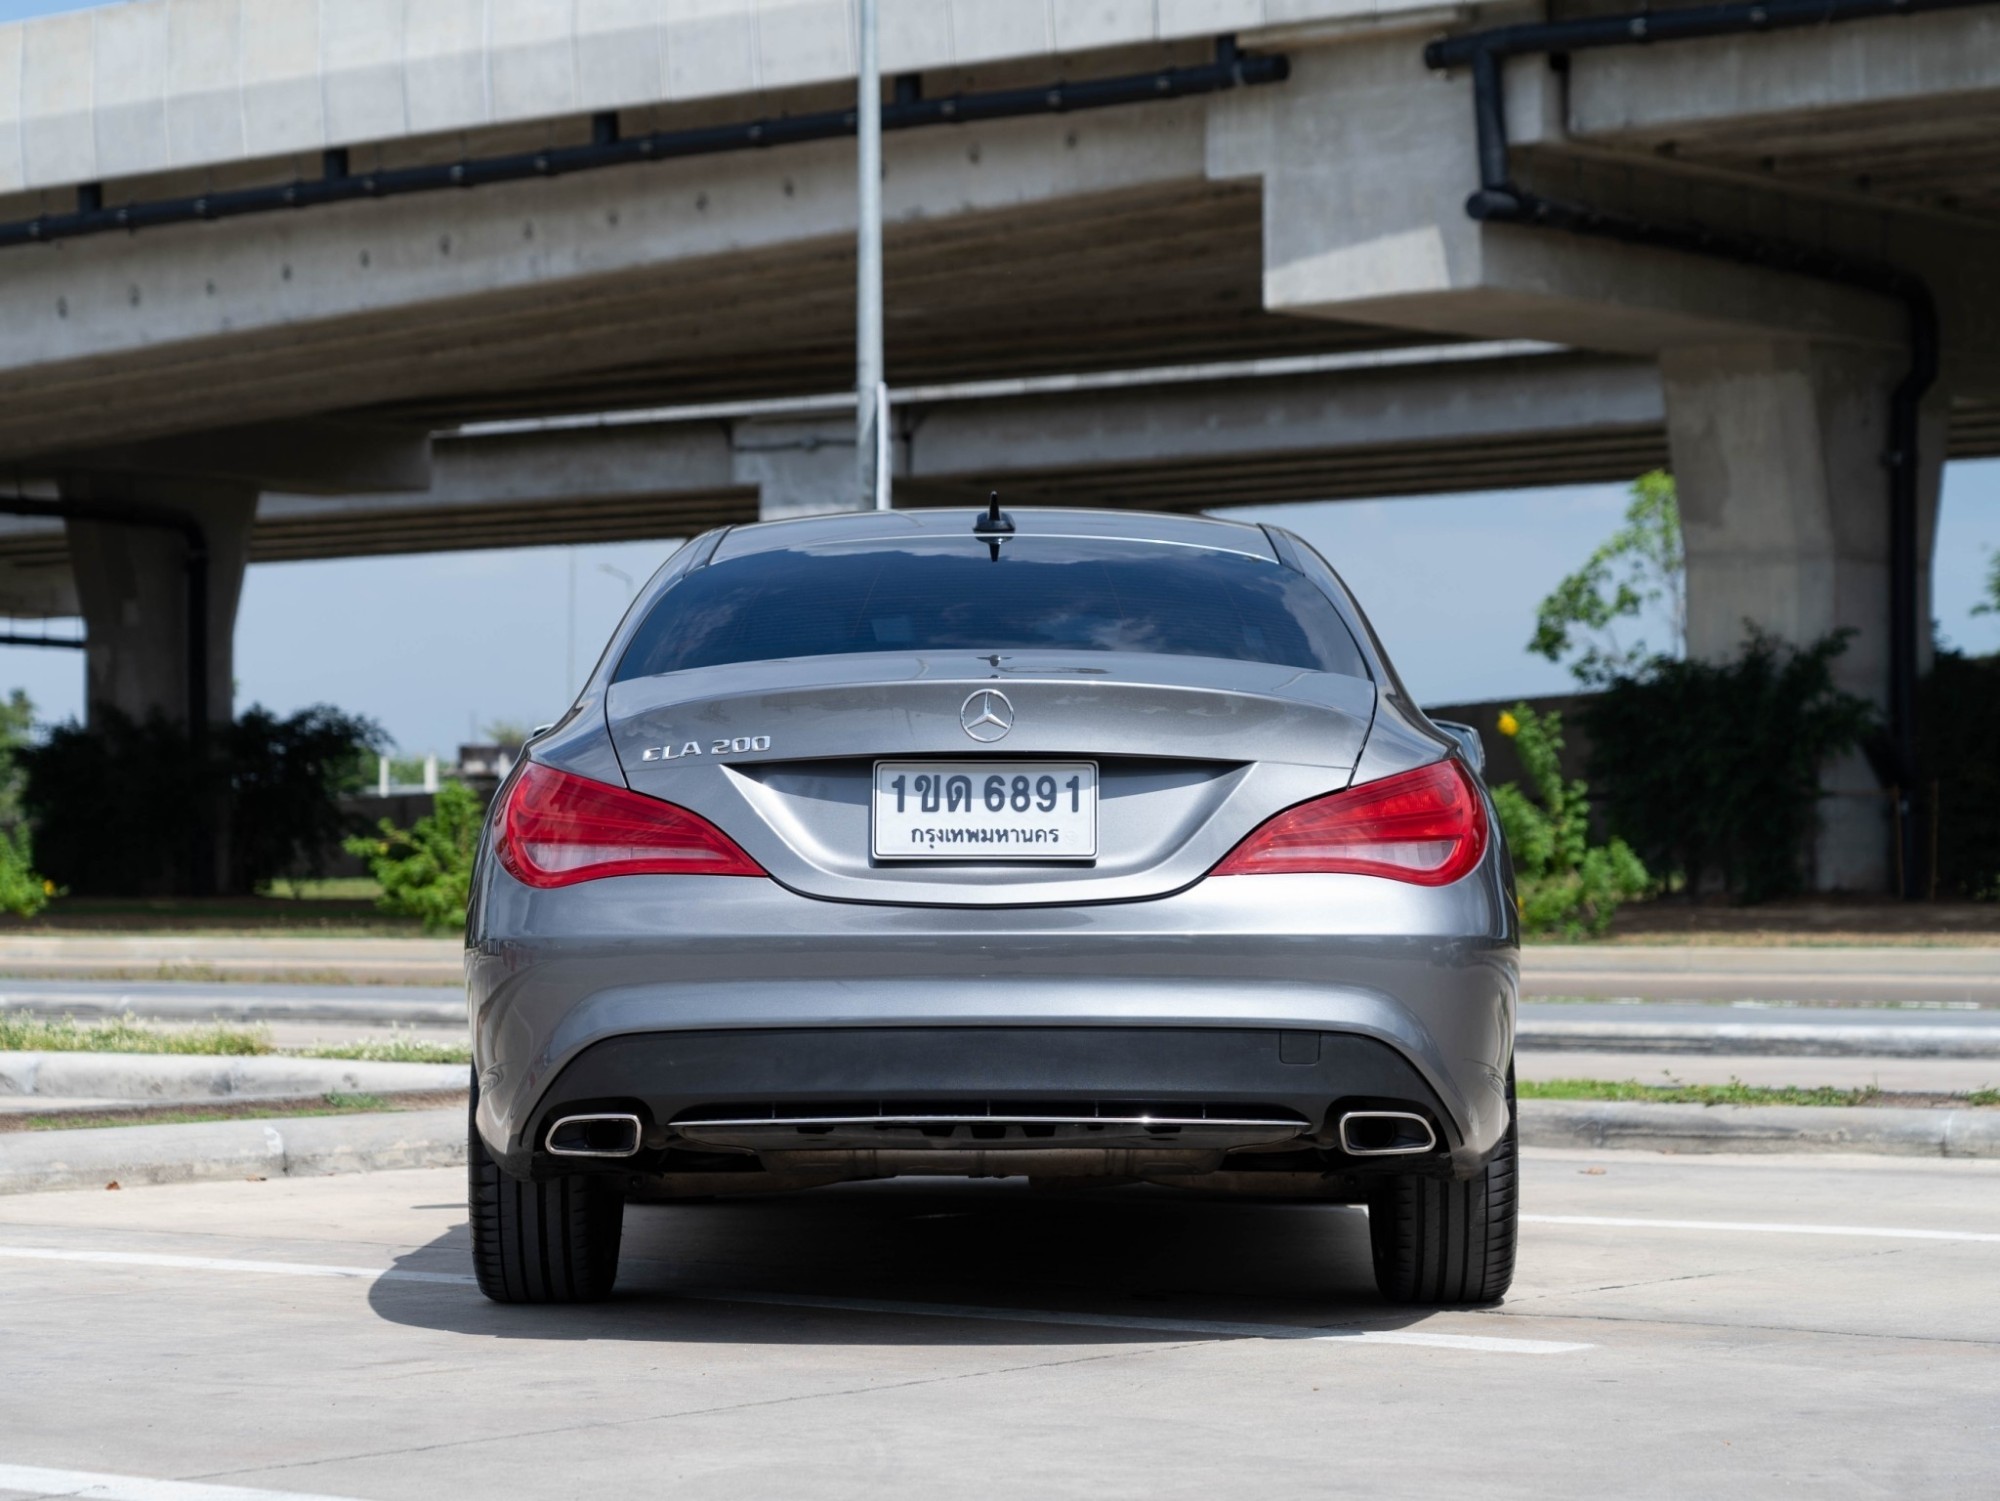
x: 1426, y: 826
x: 557, y: 829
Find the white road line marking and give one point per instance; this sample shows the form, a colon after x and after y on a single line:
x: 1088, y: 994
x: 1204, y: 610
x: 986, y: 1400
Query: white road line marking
x: 1753, y: 1227
x: 40, y: 1482
x: 1482, y: 1343
x: 1485, y: 1344
x: 223, y: 1264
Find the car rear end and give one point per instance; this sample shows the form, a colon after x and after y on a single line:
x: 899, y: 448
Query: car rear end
x: 1100, y: 848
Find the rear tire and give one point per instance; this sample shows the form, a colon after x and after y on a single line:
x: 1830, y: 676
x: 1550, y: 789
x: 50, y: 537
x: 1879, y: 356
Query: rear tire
x: 1442, y: 1241
x: 554, y: 1242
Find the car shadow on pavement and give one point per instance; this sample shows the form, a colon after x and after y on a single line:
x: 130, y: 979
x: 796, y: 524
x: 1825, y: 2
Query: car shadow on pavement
x: 700, y: 1272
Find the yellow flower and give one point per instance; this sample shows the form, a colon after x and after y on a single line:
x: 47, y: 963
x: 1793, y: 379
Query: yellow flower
x: 48, y: 887
x: 1509, y: 725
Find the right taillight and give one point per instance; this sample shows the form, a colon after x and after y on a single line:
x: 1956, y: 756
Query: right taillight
x: 1426, y: 826
x: 558, y: 829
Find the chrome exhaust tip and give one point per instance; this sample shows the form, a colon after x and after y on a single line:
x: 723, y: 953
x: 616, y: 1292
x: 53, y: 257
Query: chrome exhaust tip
x: 1385, y: 1133
x: 594, y: 1136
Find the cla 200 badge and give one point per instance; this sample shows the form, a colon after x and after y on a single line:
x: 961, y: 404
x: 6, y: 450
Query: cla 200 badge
x: 738, y: 746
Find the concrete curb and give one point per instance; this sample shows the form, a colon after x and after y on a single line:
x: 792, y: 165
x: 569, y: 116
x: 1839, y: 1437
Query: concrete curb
x: 309, y: 1147
x: 241, y: 1003
x: 1760, y: 1128
x: 1760, y: 1040
x: 150, y: 1077
x: 1982, y: 961
x: 414, y: 961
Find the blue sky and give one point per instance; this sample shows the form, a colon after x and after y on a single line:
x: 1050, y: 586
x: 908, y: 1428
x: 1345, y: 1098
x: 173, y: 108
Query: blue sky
x: 435, y: 646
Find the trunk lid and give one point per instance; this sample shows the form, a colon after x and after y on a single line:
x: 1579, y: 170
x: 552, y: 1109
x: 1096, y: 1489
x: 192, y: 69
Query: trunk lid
x: 1192, y: 754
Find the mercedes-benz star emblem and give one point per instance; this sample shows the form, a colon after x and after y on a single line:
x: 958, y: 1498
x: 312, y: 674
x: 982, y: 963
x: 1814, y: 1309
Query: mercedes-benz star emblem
x: 987, y: 716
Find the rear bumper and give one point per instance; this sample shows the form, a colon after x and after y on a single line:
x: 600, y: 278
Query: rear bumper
x: 555, y: 976
x: 1090, y: 1078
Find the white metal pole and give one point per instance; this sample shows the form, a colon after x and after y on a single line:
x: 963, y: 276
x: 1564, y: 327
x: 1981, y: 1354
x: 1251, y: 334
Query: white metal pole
x: 871, y: 393
x: 885, y: 458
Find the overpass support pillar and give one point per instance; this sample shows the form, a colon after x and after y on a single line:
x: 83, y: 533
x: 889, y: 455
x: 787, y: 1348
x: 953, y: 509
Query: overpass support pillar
x: 131, y: 582
x: 802, y: 466
x: 1778, y: 453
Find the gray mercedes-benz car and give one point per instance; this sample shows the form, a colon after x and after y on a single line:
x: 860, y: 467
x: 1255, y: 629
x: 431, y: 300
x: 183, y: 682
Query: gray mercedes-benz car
x: 1085, y: 846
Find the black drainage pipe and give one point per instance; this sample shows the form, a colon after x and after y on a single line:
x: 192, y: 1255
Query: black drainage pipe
x: 339, y: 184
x: 196, y: 561
x: 1499, y: 200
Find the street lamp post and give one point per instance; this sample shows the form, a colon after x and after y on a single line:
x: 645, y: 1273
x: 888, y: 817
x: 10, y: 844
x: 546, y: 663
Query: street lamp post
x: 871, y: 391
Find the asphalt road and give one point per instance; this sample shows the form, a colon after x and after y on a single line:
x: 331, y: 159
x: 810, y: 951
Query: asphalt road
x: 1680, y: 1327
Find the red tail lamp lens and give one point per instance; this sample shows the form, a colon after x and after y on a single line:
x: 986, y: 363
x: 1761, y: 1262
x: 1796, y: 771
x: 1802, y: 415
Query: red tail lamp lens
x: 558, y: 829
x: 1426, y: 826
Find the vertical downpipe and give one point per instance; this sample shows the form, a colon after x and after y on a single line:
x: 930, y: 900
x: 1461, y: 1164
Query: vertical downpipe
x: 202, y: 856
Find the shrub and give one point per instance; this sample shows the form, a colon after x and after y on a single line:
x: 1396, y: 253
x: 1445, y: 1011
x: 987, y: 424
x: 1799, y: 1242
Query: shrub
x: 1712, y: 769
x: 271, y: 785
x: 1566, y: 885
x: 426, y: 871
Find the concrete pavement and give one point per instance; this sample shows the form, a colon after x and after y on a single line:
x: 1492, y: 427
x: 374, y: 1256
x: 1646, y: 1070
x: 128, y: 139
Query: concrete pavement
x: 1874, y: 976
x: 1679, y: 1327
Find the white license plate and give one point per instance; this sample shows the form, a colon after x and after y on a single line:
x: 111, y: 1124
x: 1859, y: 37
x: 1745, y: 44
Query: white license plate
x: 985, y: 810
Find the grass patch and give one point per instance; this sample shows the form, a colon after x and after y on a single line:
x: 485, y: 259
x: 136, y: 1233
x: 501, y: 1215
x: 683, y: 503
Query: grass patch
x: 36, y: 1034
x: 195, y: 1115
x: 39, y: 1034
x: 1735, y: 1092
x: 1983, y: 1097
x: 394, y: 1050
x: 324, y: 889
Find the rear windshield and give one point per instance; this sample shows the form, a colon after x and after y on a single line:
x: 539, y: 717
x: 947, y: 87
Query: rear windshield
x: 947, y: 594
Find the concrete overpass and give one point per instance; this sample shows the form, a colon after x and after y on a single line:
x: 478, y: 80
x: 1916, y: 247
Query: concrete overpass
x: 302, y: 269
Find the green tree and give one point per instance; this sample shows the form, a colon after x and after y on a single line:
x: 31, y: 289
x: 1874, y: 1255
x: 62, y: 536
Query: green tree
x: 1640, y: 567
x: 1991, y: 604
x: 23, y: 890
x: 426, y: 870
x: 1566, y: 885
x: 270, y: 787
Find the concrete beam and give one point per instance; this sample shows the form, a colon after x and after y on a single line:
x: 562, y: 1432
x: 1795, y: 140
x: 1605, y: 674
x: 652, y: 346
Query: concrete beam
x: 155, y: 86
x: 1367, y: 160
x: 524, y: 489
x: 1914, y: 75
x: 1411, y: 408
x: 1379, y: 427
x: 115, y: 339
x: 312, y: 456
